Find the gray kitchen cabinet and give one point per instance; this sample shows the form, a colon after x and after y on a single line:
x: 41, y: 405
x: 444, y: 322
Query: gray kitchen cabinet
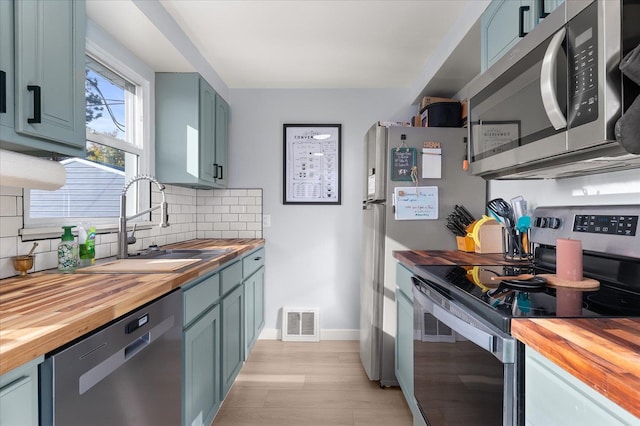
x: 42, y: 62
x: 253, y: 274
x: 404, y: 336
x: 555, y: 397
x: 188, y: 140
x: 232, y: 346
x: 222, y: 142
x: 201, y: 343
x: 19, y: 394
x: 505, y: 22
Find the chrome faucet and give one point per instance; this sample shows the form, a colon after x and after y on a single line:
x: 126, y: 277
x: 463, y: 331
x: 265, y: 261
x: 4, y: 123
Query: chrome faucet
x: 122, y: 225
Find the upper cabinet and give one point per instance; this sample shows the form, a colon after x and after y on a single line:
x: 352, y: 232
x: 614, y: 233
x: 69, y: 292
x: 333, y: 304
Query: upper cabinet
x: 191, y: 132
x: 42, y: 59
x: 505, y: 22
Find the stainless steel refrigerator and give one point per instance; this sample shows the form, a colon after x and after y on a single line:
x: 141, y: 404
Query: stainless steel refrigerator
x: 382, y: 233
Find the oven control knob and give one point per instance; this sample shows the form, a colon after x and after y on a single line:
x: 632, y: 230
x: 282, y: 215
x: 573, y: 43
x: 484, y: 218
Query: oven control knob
x: 554, y: 222
x: 541, y: 222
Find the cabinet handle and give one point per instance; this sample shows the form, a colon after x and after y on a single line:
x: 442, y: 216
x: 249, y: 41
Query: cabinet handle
x: 37, y: 106
x: 214, y: 172
x: 3, y: 92
x: 257, y: 258
x: 521, y: 12
x: 543, y: 13
x: 219, y: 177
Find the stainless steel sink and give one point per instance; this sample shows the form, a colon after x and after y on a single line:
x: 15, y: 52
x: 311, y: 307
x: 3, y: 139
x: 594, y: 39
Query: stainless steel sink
x: 179, y: 254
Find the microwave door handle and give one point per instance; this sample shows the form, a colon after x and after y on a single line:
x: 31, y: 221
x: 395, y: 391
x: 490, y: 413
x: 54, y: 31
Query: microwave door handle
x: 548, y: 82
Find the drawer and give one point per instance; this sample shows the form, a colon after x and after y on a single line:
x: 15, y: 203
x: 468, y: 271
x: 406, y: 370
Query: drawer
x: 403, y: 280
x: 252, y: 262
x: 199, y: 297
x: 231, y: 276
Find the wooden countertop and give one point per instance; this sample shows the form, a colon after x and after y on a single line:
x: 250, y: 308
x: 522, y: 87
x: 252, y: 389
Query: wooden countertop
x: 47, y: 309
x: 602, y: 352
x: 413, y: 258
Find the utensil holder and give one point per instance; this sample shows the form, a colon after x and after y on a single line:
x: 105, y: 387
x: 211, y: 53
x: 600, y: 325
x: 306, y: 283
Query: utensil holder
x: 516, y: 245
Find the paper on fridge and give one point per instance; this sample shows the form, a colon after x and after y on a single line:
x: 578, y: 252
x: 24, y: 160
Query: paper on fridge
x: 431, y: 161
x: 415, y: 203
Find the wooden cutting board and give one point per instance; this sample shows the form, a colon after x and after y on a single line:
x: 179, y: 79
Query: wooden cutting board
x: 139, y: 266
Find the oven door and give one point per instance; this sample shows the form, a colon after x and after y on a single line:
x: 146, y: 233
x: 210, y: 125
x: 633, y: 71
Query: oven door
x: 464, y: 371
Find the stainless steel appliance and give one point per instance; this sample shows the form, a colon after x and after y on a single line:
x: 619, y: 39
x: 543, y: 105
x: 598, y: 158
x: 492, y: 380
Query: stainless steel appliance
x: 127, y: 373
x: 382, y: 233
x: 547, y: 109
x: 467, y: 367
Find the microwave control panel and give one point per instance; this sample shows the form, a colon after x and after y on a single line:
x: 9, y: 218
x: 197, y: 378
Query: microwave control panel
x: 582, y: 58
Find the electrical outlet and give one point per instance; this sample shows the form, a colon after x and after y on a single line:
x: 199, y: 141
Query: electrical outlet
x: 266, y: 220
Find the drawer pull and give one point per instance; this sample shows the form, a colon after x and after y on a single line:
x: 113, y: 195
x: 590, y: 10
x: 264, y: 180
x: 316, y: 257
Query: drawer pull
x: 37, y: 105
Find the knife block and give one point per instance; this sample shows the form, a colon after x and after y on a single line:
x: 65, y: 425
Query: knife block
x: 466, y: 243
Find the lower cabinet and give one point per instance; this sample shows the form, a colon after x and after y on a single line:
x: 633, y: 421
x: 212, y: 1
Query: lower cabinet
x: 404, y: 336
x: 19, y: 395
x: 202, y: 369
x: 553, y: 396
x: 254, y: 309
x: 232, y: 337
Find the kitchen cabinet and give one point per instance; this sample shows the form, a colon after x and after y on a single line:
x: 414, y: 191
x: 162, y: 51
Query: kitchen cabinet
x: 19, y: 394
x: 201, y: 340
x: 42, y: 60
x: 564, y: 398
x: 191, y: 132
x: 505, y: 22
x: 404, y: 336
x: 253, y: 274
x: 232, y: 348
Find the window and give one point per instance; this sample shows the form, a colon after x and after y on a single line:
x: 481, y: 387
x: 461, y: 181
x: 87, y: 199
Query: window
x: 115, y: 121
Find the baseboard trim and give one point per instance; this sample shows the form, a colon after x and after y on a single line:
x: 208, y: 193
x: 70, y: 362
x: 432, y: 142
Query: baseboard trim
x: 325, y: 334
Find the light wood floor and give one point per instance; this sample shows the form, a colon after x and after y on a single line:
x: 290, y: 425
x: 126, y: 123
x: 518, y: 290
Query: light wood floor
x: 324, y: 384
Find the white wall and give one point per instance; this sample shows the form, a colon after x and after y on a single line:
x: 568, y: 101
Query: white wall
x: 313, y: 252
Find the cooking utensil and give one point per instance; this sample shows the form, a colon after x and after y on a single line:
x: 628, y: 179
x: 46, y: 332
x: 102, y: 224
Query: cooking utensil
x: 512, y: 277
x: 22, y: 264
x: 503, y: 209
x: 532, y: 285
x: 462, y: 211
x: 33, y: 248
x: 519, y: 206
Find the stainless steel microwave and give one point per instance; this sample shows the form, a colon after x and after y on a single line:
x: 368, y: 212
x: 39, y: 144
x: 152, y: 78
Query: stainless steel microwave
x: 547, y: 109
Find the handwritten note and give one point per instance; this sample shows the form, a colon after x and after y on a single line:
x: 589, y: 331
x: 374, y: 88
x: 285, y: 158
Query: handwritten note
x: 402, y: 161
x: 416, y: 203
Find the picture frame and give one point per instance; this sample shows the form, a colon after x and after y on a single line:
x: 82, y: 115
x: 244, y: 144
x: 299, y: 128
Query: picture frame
x: 493, y: 137
x: 312, y: 163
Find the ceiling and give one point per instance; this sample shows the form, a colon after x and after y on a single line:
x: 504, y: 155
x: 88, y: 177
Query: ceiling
x: 302, y: 44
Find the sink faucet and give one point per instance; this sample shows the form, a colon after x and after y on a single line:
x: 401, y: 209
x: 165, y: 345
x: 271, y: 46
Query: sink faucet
x: 122, y: 225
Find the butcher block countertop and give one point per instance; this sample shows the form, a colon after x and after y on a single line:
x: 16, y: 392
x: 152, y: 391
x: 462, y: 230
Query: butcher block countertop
x: 47, y: 309
x: 413, y: 258
x: 602, y: 352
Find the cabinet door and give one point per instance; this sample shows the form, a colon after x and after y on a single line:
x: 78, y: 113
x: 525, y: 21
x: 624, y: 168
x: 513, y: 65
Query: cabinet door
x: 6, y: 70
x: 49, y: 64
x: 404, y: 344
x: 207, y: 132
x: 500, y: 28
x: 545, y: 7
x: 222, y: 141
x: 19, y: 395
x: 232, y: 343
x: 254, y: 309
x: 555, y: 397
x: 202, y: 369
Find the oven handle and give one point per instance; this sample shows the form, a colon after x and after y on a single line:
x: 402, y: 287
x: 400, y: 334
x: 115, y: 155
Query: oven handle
x: 548, y: 82
x: 500, y: 347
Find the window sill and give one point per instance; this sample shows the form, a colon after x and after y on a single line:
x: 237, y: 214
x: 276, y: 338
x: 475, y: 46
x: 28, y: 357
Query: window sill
x: 32, y: 234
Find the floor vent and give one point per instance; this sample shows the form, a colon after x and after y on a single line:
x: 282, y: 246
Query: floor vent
x: 300, y: 325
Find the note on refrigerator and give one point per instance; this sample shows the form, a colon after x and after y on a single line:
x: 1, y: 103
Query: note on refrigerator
x: 415, y: 202
x: 431, y: 161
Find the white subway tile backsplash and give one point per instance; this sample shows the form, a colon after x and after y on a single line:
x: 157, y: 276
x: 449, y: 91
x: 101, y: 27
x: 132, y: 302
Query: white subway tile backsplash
x: 225, y: 213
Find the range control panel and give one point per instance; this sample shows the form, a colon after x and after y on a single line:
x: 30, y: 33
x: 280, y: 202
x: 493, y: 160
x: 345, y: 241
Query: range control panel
x: 603, y: 229
x: 606, y: 224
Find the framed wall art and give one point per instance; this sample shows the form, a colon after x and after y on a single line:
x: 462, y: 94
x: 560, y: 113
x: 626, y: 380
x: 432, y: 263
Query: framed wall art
x: 312, y: 163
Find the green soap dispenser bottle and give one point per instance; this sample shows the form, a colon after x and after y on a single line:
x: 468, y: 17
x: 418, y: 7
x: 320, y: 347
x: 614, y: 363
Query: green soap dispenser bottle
x: 67, y: 251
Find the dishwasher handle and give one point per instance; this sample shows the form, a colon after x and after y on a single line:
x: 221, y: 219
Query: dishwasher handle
x: 96, y: 374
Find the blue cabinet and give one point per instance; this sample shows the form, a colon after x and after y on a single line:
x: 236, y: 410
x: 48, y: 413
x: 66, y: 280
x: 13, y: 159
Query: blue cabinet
x: 19, y: 395
x: 232, y: 312
x: 191, y: 131
x: 404, y: 336
x: 253, y: 275
x: 555, y: 397
x: 43, y: 61
x: 505, y: 22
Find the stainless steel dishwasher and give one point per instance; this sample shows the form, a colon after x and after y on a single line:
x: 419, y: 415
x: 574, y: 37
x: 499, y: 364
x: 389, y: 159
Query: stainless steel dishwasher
x: 127, y: 373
